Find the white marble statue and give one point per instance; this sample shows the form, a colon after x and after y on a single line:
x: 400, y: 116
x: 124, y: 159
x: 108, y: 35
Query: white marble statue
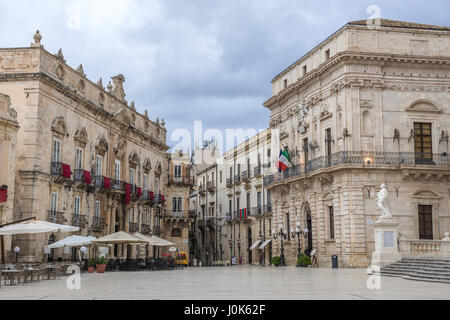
x: 382, y: 199
x: 447, y: 237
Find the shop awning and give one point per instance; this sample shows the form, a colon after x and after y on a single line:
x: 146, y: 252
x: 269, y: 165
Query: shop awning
x: 265, y: 244
x: 253, y: 247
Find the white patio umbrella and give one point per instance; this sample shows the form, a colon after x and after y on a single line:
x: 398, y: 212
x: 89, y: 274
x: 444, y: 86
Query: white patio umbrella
x: 154, y: 241
x: 72, y: 241
x: 36, y: 226
x: 119, y: 238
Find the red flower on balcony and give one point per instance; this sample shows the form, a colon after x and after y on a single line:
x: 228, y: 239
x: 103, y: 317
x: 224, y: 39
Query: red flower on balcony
x: 87, y: 177
x: 3, y: 195
x: 127, y: 193
x: 106, y: 183
x: 66, y: 171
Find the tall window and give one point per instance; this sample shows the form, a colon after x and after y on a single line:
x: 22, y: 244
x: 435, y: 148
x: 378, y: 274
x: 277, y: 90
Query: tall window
x: 56, y: 152
x: 425, y: 222
x: 76, y: 206
x: 157, y: 185
x: 258, y: 199
x: 248, y: 202
x: 231, y: 173
x: 176, y: 204
x: 145, y: 181
x: 131, y: 215
x: 423, y: 143
x: 269, y: 197
x: 99, y: 165
x: 132, y: 176
x: 79, y: 159
x: 220, y: 175
x: 331, y: 214
x: 177, y: 171
x: 230, y: 206
x: 305, y: 150
x: 117, y: 170
x: 54, y: 203
x: 97, y: 210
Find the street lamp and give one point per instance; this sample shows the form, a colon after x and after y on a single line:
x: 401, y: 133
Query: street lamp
x: 282, y: 235
x: 231, y: 252
x: 299, y: 232
x: 17, y: 250
x: 239, y: 252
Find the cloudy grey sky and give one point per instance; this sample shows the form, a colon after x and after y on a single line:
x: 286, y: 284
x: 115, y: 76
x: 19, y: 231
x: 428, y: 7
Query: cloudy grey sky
x: 186, y: 60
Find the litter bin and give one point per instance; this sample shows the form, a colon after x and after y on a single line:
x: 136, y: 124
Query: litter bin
x: 334, y: 262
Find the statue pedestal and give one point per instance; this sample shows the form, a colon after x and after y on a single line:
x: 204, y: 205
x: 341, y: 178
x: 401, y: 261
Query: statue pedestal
x: 386, y: 243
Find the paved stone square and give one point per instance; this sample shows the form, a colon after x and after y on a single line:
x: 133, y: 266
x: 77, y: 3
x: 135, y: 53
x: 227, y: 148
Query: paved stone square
x: 238, y: 282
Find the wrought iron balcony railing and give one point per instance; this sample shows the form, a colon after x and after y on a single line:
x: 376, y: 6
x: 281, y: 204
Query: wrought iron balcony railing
x: 78, y: 175
x: 56, y: 217
x: 256, y: 211
x: 177, y: 214
x: 79, y: 220
x: 192, y: 214
x: 268, y: 208
x: 117, y: 185
x: 202, y: 188
x: 156, y: 231
x: 98, y: 224
x: 245, y: 176
x: 257, y: 171
x: 365, y: 160
x: 188, y: 181
x: 210, y: 185
x: 133, y: 227
x: 237, y: 178
x: 145, y: 229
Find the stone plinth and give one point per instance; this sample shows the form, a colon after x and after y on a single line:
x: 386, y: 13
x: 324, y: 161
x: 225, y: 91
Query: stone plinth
x: 386, y: 243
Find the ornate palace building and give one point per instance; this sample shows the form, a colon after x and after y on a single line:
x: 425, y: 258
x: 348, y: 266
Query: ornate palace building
x: 367, y: 106
x: 85, y: 156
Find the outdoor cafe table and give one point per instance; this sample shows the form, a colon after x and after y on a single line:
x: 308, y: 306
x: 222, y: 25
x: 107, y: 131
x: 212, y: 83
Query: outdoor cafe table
x: 13, y: 276
x: 51, y: 271
x: 30, y: 273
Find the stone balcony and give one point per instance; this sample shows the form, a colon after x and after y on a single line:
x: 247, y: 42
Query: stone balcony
x: 56, y: 217
x: 133, y: 227
x: 98, y: 224
x: 79, y: 220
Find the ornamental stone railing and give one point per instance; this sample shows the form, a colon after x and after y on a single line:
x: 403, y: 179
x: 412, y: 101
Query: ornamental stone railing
x: 425, y: 249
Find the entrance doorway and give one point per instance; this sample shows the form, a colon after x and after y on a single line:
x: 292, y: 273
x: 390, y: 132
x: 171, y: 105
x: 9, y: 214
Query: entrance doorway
x: 249, y: 243
x: 309, y: 226
x: 426, y: 222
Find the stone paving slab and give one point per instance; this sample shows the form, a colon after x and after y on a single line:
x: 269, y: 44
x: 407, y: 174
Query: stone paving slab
x: 223, y: 283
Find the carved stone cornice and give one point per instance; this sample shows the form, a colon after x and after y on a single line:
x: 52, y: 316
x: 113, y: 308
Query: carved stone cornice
x: 348, y: 57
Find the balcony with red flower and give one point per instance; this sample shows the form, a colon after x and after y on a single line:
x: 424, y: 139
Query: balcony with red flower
x: 60, y: 172
x: 3, y: 194
x: 82, y: 178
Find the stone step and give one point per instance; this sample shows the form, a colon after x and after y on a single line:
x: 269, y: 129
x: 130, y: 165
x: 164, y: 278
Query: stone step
x: 419, y: 267
x: 432, y: 270
x: 415, y: 271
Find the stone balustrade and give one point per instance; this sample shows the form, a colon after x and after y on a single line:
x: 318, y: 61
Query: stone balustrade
x: 425, y: 249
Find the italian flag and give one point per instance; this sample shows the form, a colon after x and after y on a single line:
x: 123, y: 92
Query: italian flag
x: 284, y: 161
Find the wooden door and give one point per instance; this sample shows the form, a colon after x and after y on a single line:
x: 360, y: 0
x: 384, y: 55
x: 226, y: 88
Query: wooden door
x: 426, y: 222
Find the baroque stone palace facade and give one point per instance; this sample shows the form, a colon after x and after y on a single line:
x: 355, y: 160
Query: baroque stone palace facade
x: 85, y: 156
x: 366, y: 106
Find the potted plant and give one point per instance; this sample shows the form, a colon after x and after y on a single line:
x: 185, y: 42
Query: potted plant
x: 91, y: 265
x: 276, y: 261
x: 101, y: 265
x: 304, y: 261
